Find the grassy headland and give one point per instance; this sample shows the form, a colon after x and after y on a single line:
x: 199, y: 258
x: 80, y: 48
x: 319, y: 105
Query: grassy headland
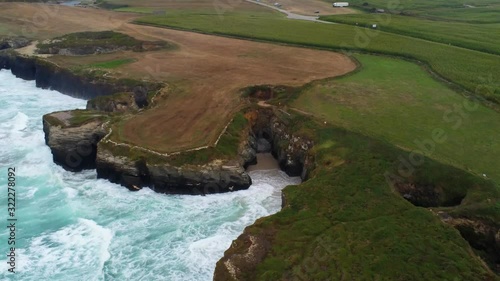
x: 339, y: 224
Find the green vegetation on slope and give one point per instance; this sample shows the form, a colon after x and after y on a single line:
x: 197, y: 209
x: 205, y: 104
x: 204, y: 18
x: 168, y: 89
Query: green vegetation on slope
x: 398, y: 101
x: 112, y: 63
x: 480, y: 37
x: 78, y: 117
x: 347, y: 223
x: 82, y: 40
x: 110, y: 5
x: 139, y: 10
x: 473, y: 70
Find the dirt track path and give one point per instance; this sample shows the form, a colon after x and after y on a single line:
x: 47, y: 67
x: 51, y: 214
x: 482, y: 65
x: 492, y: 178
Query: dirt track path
x: 304, y: 10
x: 291, y: 15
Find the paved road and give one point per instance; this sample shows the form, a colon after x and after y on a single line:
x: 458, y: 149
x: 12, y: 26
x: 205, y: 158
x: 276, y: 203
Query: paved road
x: 291, y: 15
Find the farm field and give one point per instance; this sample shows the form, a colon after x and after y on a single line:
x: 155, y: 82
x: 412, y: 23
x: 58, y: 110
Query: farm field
x: 207, y: 72
x: 480, y: 37
x: 479, y: 11
x: 470, y: 69
x: 399, y: 102
x: 481, y: 14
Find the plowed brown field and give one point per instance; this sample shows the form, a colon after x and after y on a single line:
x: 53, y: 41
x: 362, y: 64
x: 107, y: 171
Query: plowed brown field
x: 208, y: 70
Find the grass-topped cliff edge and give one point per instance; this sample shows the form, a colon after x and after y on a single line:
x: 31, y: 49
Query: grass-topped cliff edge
x: 339, y: 225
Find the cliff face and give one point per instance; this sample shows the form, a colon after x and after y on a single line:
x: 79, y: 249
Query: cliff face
x: 483, y: 235
x: 215, y: 177
x: 81, y: 146
x: 290, y: 149
x: 246, y: 252
x: 51, y: 76
x: 78, y: 147
x: 120, y: 102
x: 13, y: 42
x: 74, y: 148
x: 270, y: 133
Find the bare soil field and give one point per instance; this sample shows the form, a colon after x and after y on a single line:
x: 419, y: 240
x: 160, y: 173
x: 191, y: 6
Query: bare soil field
x: 42, y: 21
x: 206, y: 70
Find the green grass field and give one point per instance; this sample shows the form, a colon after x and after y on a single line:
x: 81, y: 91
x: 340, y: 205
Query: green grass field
x: 111, y: 64
x: 478, y: 11
x: 475, y: 71
x: 342, y: 226
x: 486, y: 14
x: 480, y: 37
x: 398, y: 101
x: 139, y: 10
x: 83, y: 39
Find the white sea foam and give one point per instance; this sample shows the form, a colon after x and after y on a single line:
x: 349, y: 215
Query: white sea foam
x: 73, y: 226
x: 77, y: 248
x: 19, y: 122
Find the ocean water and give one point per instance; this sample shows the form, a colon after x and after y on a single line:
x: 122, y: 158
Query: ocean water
x: 73, y: 226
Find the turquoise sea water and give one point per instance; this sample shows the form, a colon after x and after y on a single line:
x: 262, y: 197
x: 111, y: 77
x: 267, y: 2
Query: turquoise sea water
x: 72, y: 226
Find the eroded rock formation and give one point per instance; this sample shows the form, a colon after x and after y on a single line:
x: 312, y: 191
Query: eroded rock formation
x: 289, y: 148
x: 74, y: 148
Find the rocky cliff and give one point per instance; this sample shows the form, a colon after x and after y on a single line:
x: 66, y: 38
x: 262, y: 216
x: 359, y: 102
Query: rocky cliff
x: 482, y: 234
x: 274, y: 134
x: 82, y: 145
x: 74, y: 148
x: 13, y: 42
x: 120, y: 102
x: 50, y: 76
x: 78, y: 146
x: 214, y: 177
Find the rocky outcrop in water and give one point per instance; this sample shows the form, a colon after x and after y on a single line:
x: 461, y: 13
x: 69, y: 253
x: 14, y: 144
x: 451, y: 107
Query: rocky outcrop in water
x: 215, y: 177
x: 74, y: 148
x: 78, y: 146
